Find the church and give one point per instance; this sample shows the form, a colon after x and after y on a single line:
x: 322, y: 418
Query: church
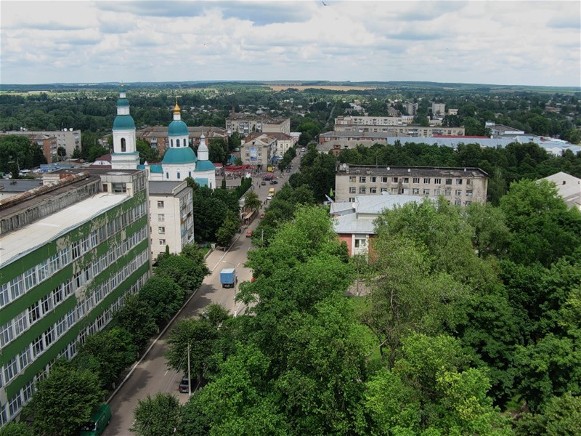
x: 179, y: 161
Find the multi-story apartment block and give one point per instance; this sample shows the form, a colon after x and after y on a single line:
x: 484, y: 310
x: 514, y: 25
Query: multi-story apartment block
x: 381, y: 133
x: 438, y: 109
x: 460, y: 186
x: 171, y: 217
x: 72, y: 250
x: 411, y: 108
x: 350, y: 122
x: 258, y: 150
x: 246, y: 123
x: 68, y: 139
x: 390, y: 126
x: 283, y: 143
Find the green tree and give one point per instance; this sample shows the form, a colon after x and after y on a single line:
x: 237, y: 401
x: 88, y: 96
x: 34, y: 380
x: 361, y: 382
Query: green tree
x: 157, y: 416
x: 560, y: 416
x: 183, y: 270
x: 114, y: 351
x: 198, y: 337
x: 432, y: 390
x: 543, y: 227
x: 16, y: 429
x: 164, y: 296
x: 137, y: 317
x: 251, y: 201
x: 227, y: 230
x: 64, y: 400
x: 147, y: 153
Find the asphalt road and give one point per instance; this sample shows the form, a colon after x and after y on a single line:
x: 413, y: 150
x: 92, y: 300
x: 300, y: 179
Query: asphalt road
x: 152, y: 375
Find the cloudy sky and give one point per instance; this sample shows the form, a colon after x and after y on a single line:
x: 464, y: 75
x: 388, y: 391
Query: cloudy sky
x: 495, y: 42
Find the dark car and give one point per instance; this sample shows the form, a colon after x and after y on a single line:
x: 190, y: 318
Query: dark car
x: 263, y: 183
x: 183, y: 387
x: 273, y: 182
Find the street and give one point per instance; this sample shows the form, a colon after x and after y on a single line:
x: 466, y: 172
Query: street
x: 151, y: 375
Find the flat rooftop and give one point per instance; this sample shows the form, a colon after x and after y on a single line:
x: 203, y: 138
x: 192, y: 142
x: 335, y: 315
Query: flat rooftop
x: 17, y: 244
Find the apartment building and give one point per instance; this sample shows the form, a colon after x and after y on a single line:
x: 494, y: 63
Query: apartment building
x: 72, y: 250
x: 171, y: 214
x: 347, y: 123
x: 438, y: 109
x: 390, y: 130
x: 460, y: 186
x: 258, y: 150
x: 248, y: 123
x: 68, y: 139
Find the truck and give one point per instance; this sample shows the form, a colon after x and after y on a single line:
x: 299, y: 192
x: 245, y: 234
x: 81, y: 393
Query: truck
x: 228, y: 277
x: 98, y: 422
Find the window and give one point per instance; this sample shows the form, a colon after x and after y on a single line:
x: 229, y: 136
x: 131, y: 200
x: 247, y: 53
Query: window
x: 6, y: 333
x: 178, y: 175
x: 416, y: 191
x: 426, y: 192
x: 105, y: 187
x: 426, y: 180
x: 123, y: 145
x: 438, y: 181
x: 4, y: 297
x: 448, y: 192
x: 46, y: 303
x: 469, y: 193
x: 161, y: 217
x: 37, y: 346
x: 10, y: 369
x: 76, y: 249
x: 160, y: 204
x: 360, y: 242
x: 373, y: 179
x: 384, y: 180
x: 384, y: 190
x: 437, y: 191
x: 362, y: 190
x: 161, y: 230
x: 25, y: 358
x: 162, y: 242
x: 448, y: 181
x: 49, y: 335
x: 373, y: 190
x: 119, y: 187
x: 351, y: 199
x: 416, y: 180
x: 57, y: 295
x: 458, y: 181
x: 406, y: 179
x: 33, y: 313
x: 469, y: 182
x: 21, y: 322
x: 458, y: 192
x: 17, y: 287
x: 362, y: 179
x: 395, y: 179
x: 394, y: 190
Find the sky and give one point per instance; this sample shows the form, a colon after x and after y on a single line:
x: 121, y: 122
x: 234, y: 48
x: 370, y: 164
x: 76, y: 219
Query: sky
x: 488, y: 42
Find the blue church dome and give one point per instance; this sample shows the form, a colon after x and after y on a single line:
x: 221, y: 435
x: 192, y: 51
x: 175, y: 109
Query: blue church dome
x: 123, y: 122
x: 184, y: 155
x: 177, y: 128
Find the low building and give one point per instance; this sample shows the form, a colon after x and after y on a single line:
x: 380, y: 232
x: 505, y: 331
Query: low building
x: 12, y: 187
x: 72, y: 250
x: 171, y: 217
x: 460, y: 186
x: 569, y: 188
x: 366, y: 132
x: 354, y: 221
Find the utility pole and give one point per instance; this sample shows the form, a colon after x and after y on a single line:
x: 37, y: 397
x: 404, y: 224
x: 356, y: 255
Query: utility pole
x: 189, y: 373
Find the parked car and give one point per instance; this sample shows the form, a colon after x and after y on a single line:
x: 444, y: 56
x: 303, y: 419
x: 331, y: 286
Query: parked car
x: 184, y: 387
x: 269, y: 197
x: 263, y: 183
x: 273, y: 182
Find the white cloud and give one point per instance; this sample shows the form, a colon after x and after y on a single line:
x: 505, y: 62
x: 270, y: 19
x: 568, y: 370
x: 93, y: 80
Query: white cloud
x: 504, y: 42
